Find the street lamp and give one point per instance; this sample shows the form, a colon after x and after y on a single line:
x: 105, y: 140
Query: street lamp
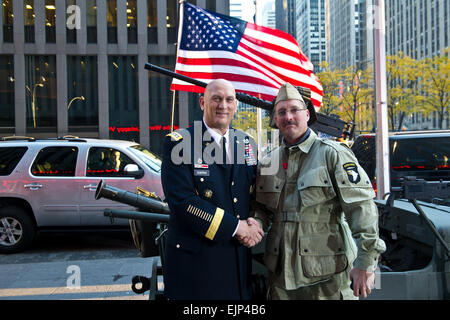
x: 33, y: 95
x: 76, y: 98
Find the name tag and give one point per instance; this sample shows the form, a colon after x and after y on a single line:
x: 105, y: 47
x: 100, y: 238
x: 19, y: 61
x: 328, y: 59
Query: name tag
x: 204, y: 173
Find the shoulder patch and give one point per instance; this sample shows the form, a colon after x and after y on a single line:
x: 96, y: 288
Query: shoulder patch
x: 352, y: 172
x: 175, y: 136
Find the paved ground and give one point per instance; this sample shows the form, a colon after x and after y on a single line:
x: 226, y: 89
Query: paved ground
x: 89, y: 267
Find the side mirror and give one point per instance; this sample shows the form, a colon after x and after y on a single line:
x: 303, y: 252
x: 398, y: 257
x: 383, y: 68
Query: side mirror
x: 133, y: 170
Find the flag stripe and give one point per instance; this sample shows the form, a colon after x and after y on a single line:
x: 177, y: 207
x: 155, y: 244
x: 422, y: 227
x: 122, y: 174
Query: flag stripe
x: 286, y: 74
x: 226, y: 58
x: 223, y: 74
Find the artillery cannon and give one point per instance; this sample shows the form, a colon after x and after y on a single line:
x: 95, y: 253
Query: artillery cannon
x: 414, y: 222
x: 149, y: 229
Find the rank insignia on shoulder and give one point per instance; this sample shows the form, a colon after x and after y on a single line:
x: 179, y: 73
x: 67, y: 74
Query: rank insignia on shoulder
x: 352, y: 172
x: 175, y: 136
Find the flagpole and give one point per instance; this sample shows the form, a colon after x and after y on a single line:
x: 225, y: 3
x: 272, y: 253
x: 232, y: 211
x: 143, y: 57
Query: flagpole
x: 180, y: 26
x: 258, y: 110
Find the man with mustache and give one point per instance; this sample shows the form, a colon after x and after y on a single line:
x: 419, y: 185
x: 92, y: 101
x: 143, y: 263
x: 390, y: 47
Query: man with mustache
x: 209, y: 195
x: 311, y: 191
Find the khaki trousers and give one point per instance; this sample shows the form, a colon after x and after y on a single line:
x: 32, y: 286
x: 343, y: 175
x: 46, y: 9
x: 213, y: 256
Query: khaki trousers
x: 336, y: 288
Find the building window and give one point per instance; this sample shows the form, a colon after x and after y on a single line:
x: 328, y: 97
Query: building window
x: 132, y: 21
x: 50, y: 21
x: 82, y: 91
x: 8, y: 21
x: 71, y: 34
x: 152, y: 30
x: 123, y: 98
x: 7, y: 91
x: 160, y: 102
x: 211, y: 5
x: 171, y: 21
x: 91, y: 21
x: 41, y: 89
x: 111, y: 17
x: 29, y: 16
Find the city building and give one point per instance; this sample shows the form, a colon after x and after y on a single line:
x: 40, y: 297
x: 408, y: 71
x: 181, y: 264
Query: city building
x: 76, y: 67
x: 243, y: 9
x: 268, y: 14
x: 285, y: 14
x: 419, y: 29
x: 348, y: 41
x: 311, y: 30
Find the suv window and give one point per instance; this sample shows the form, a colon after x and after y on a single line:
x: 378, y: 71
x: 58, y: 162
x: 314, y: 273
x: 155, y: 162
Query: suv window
x: 429, y: 154
x: 107, y: 162
x: 9, y: 158
x: 55, y: 162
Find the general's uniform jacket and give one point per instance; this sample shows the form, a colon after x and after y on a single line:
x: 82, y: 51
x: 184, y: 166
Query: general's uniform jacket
x: 203, y: 260
x: 313, y: 185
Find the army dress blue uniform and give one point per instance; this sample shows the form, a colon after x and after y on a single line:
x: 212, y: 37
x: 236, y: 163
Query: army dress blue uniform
x: 207, y: 200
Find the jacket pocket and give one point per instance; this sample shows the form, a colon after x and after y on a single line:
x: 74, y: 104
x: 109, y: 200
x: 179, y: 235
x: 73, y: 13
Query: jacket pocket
x: 268, y: 190
x: 315, y: 187
x: 272, y: 251
x: 322, y: 255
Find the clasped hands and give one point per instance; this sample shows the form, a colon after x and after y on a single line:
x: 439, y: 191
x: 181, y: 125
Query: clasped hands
x: 249, y: 232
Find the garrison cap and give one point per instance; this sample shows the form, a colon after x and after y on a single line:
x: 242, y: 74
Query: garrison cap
x: 289, y: 92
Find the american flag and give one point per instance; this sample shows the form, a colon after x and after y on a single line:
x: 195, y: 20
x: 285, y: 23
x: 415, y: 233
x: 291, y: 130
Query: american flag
x: 256, y: 59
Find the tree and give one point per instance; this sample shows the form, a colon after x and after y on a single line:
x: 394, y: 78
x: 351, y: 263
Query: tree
x: 436, y: 85
x: 330, y: 85
x: 403, y: 74
x: 357, y: 96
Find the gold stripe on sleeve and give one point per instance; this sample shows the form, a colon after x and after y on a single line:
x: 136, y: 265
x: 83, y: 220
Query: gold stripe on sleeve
x: 214, y: 226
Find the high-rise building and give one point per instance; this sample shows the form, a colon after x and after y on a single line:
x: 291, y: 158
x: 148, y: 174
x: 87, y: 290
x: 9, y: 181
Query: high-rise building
x: 242, y: 9
x: 348, y: 42
x: 311, y: 30
x: 419, y: 28
x: 286, y: 16
x: 268, y: 14
x: 77, y: 67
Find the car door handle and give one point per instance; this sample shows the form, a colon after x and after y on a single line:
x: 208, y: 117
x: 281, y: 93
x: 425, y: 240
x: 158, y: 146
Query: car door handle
x: 33, y: 186
x: 91, y: 187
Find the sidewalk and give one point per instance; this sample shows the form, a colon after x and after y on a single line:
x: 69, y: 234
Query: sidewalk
x: 102, y: 279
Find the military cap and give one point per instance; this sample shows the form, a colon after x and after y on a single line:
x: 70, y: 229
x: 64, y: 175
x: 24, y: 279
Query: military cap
x: 289, y: 92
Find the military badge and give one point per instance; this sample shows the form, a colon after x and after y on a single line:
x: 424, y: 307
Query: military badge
x: 249, y: 155
x: 208, y: 193
x: 352, y: 172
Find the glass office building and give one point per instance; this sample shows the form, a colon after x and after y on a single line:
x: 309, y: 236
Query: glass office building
x: 76, y: 67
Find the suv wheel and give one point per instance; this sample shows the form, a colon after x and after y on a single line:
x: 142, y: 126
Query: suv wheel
x: 17, y: 230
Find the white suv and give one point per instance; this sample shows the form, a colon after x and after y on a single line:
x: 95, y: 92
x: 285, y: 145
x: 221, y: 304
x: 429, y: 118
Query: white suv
x: 50, y: 183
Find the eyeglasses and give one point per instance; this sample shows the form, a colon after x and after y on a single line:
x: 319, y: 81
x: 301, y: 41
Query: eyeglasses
x: 293, y: 111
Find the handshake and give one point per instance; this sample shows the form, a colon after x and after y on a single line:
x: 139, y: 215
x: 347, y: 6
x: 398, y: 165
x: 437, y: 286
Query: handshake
x: 249, y: 233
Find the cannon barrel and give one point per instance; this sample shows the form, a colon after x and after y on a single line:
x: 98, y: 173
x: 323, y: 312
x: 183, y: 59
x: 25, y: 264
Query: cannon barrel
x: 141, y: 202
x: 136, y: 215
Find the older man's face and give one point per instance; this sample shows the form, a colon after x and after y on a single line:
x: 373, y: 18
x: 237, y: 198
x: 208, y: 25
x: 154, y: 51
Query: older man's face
x: 219, y: 104
x: 291, y: 117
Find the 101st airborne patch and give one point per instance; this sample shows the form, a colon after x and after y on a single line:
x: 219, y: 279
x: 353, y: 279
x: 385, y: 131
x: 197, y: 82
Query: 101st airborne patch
x: 352, y: 171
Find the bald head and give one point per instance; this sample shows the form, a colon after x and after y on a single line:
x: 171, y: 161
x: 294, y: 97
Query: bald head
x: 219, y: 83
x: 219, y: 104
